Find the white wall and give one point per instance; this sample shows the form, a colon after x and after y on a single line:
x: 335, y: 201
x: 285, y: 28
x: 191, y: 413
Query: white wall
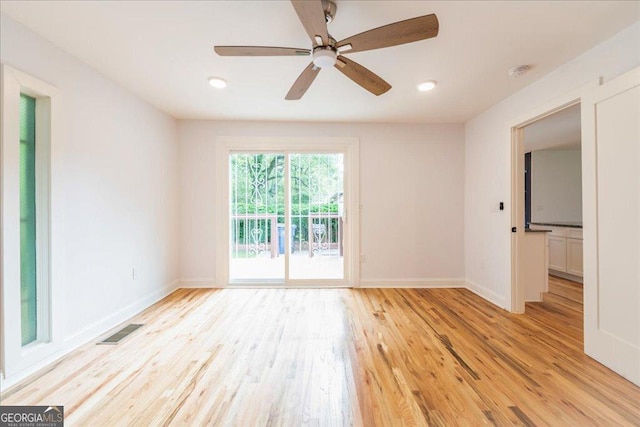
x: 411, y: 192
x: 114, y: 192
x: 556, y: 186
x: 487, y: 159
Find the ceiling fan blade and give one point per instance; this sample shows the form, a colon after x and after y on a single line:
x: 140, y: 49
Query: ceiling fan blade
x: 260, y: 51
x: 311, y: 15
x: 364, y: 77
x: 303, y: 82
x: 411, y: 30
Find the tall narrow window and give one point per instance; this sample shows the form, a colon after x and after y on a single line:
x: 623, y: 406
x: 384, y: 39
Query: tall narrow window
x: 28, y: 262
x: 29, y: 320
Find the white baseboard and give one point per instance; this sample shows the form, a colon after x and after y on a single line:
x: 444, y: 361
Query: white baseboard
x: 213, y: 284
x: 413, y: 283
x: 364, y: 283
x: 487, y: 294
x: 102, y: 326
x: 424, y: 283
x: 88, y: 334
x: 198, y: 283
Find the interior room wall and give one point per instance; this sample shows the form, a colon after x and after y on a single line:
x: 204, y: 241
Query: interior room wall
x: 114, y: 192
x: 488, y: 153
x: 411, y: 194
x: 556, y: 186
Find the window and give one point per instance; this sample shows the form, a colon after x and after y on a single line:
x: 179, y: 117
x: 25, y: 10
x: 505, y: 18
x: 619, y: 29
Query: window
x: 28, y: 252
x: 28, y: 317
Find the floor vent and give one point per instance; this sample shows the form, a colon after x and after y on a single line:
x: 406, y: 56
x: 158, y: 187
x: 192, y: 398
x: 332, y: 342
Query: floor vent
x: 120, y: 335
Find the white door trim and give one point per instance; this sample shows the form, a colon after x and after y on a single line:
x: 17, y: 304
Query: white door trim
x: 516, y: 126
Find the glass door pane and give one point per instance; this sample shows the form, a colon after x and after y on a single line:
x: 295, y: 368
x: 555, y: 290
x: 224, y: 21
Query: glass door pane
x: 316, y: 212
x: 256, y: 210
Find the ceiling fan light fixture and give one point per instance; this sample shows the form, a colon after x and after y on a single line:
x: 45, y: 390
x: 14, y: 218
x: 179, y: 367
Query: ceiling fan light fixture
x: 217, y: 82
x: 324, y: 57
x: 427, y: 86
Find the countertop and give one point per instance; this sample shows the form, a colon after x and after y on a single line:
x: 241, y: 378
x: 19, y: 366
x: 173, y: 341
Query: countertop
x: 559, y: 224
x: 528, y: 230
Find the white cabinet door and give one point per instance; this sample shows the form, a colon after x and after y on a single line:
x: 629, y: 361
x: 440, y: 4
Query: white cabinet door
x: 558, y: 253
x: 574, y: 257
x: 611, y: 213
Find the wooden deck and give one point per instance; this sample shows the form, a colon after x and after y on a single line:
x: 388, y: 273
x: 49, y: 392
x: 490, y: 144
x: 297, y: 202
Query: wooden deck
x: 373, y: 357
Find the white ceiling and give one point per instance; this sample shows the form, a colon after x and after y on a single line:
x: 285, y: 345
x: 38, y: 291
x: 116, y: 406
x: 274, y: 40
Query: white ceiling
x: 163, y: 52
x: 559, y: 131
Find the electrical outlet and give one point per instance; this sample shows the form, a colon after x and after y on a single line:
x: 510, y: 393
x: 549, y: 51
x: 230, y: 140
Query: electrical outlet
x: 363, y: 259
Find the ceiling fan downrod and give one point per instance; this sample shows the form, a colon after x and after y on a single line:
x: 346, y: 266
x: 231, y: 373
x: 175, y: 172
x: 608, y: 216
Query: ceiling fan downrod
x: 330, y: 8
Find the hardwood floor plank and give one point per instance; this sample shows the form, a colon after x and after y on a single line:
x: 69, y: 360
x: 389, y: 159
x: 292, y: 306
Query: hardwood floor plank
x: 566, y: 288
x: 363, y: 357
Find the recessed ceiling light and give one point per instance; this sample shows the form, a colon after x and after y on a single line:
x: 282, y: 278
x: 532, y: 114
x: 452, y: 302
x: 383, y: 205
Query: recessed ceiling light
x: 217, y: 82
x: 426, y: 86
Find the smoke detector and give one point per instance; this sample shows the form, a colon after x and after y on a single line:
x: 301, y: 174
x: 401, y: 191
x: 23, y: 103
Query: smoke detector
x: 518, y: 71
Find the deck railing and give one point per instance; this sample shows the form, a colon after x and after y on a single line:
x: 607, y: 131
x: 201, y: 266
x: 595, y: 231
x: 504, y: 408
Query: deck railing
x: 256, y: 234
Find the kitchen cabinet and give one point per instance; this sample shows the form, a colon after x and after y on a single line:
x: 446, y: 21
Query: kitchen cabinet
x: 574, y: 256
x: 565, y: 248
x: 557, y: 253
x: 533, y: 268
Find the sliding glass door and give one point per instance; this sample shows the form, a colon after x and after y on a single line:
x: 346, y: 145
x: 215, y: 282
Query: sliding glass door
x: 257, y: 206
x: 286, y: 217
x: 316, y: 212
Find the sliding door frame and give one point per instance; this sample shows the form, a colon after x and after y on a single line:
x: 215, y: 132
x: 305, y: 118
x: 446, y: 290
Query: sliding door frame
x: 350, y: 149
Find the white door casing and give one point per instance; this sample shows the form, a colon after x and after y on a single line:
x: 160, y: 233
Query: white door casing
x: 611, y: 218
x: 516, y: 127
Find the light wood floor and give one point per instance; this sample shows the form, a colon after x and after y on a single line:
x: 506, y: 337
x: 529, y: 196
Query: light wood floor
x: 372, y: 357
x: 564, y: 294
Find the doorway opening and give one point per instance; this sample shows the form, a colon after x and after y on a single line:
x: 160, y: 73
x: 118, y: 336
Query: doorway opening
x: 546, y: 202
x: 609, y: 132
x: 554, y: 174
x: 548, y: 205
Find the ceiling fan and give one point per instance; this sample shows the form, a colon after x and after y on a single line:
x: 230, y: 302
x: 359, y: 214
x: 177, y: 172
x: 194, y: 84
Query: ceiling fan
x: 326, y: 52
